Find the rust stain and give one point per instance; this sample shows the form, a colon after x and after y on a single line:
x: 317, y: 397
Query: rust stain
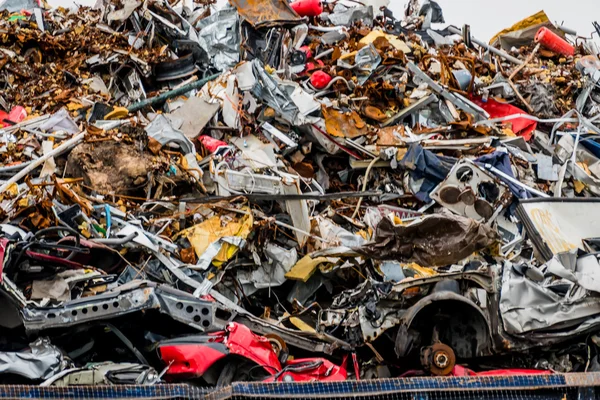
x: 344, y: 124
x: 550, y: 232
x: 375, y: 113
x: 390, y: 136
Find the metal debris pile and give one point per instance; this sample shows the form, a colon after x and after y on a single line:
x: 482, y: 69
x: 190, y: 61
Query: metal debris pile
x: 315, y: 191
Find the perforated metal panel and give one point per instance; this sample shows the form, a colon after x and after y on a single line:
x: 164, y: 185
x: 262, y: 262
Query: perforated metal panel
x: 559, y: 387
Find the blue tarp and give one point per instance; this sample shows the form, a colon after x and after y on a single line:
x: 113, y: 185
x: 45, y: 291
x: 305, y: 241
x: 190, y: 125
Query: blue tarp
x: 425, y: 165
x: 501, y: 161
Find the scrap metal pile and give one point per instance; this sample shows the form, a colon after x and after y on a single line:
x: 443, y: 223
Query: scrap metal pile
x: 315, y: 191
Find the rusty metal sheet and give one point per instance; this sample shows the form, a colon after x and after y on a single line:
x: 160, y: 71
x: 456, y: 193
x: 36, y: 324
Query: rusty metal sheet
x: 266, y: 13
x: 344, y: 124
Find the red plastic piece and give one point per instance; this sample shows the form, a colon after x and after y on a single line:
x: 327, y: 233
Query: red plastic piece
x: 310, y: 65
x: 307, y: 51
x: 211, y: 144
x: 552, y: 41
x: 3, y: 117
x: 307, y: 8
x: 320, y: 79
x: 462, y: 371
x: 3, y: 246
x: 520, y: 126
x: 16, y: 115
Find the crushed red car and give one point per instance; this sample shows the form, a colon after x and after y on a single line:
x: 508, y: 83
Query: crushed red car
x: 237, y: 354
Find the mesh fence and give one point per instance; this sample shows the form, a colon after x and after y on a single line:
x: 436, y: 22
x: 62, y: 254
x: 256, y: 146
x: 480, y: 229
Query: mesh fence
x: 559, y: 387
x: 103, y: 392
x: 547, y: 394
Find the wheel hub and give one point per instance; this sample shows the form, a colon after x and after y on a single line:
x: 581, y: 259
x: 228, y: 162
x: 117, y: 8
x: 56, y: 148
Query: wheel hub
x: 438, y: 358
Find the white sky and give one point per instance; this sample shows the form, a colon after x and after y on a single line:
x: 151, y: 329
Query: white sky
x: 488, y: 17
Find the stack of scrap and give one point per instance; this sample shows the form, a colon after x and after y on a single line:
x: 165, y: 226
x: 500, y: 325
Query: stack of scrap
x: 256, y: 190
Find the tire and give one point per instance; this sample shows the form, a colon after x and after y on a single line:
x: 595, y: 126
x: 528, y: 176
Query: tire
x: 235, y: 370
x: 228, y: 373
